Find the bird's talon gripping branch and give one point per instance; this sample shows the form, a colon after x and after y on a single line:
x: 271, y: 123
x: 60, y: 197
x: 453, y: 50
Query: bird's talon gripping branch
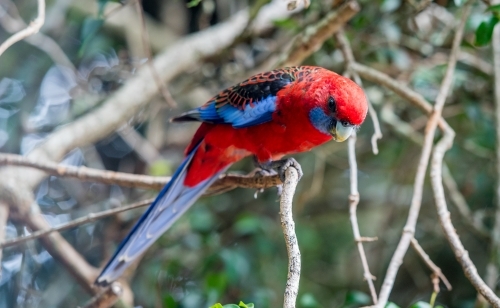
x: 280, y: 167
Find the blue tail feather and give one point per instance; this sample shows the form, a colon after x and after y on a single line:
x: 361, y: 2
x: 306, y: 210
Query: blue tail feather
x: 173, y: 201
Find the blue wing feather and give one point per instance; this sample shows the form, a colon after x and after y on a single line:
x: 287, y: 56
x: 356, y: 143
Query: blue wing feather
x: 173, y: 201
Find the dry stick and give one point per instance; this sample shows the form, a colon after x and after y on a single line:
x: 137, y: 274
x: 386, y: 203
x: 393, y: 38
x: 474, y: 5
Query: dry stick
x: 430, y: 129
x: 75, y: 223
x: 492, y: 267
x: 353, y: 204
x: 313, y: 37
x: 13, y: 24
x: 292, y: 246
x: 107, y: 298
x: 147, y: 49
x: 444, y: 218
x: 349, y: 58
x: 434, y: 268
x: 354, y: 195
x: 419, y: 101
x: 224, y: 183
x: 405, y: 129
x: 33, y: 28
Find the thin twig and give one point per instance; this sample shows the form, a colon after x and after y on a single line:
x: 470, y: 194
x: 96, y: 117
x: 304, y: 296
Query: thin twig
x: 13, y: 24
x: 313, y: 37
x: 107, y: 298
x: 292, y: 246
x: 461, y: 254
x: 167, y: 96
x: 225, y: 183
x: 353, y: 204
x: 409, y: 228
x: 75, y: 223
x: 33, y: 28
x: 349, y: 58
x: 433, y: 267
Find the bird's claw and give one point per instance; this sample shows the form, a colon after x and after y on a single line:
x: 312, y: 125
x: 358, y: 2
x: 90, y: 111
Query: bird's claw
x: 287, y: 163
x: 281, y: 166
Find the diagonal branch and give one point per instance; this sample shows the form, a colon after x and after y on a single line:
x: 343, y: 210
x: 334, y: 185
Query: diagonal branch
x: 430, y: 129
x: 31, y: 29
x: 74, y: 223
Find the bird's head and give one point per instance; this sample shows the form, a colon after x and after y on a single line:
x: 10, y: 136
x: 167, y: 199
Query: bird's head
x: 340, y: 105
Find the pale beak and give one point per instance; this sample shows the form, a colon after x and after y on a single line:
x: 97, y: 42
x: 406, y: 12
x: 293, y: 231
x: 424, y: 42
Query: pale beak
x: 340, y: 132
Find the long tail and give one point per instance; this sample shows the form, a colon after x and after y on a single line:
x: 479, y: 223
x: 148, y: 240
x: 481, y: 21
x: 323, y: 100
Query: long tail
x: 174, y: 199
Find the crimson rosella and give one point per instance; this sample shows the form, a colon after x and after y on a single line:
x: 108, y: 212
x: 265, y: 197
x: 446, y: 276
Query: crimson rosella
x: 269, y: 115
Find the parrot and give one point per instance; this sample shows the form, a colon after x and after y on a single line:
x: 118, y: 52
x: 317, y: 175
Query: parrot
x: 268, y: 116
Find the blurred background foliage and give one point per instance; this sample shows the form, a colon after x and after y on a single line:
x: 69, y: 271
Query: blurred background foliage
x: 230, y: 247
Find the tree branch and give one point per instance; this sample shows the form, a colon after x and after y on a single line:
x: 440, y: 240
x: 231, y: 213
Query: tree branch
x: 292, y: 246
x: 313, y: 37
x: 75, y: 223
x: 107, y: 298
x: 433, y: 267
x: 353, y: 204
x: 430, y: 129
x: 33, y: 28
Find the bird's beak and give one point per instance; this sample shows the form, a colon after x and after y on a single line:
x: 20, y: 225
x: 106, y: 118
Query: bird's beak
x: 340, y: 132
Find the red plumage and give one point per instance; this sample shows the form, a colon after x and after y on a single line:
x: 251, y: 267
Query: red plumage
x: 290, y: 130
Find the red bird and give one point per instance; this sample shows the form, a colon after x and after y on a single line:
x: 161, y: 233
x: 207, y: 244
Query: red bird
x: 269, y: 115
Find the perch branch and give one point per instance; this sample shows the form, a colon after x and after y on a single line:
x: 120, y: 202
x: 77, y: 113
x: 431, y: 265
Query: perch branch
x: 353, y: 204
x: 292, y: 246
x: 433, y: 267
x: 33, y: 28
x: 430, y: 129
x: 74, y: 223
x: 224, y: 183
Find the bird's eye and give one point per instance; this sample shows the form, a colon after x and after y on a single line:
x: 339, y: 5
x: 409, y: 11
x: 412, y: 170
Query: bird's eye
x: 331, y: 104
x: 345, y: 123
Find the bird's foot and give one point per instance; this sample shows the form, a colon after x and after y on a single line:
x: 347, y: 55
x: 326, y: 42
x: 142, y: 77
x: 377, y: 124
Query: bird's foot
x: 281, y: 166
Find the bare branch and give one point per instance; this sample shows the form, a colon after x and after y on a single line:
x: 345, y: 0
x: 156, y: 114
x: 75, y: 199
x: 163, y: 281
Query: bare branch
x: 74, y: 223
x: 167, y: 96
x: 45, y: 43
x: 225, y: 183
x: 353, y: 204
x: 292, y: 246
x: 107, y: 298
x: 461, y: 254
x: 434, y: 268
x: 409, y: 228
x: 33, y: 28
x: 313, y: 37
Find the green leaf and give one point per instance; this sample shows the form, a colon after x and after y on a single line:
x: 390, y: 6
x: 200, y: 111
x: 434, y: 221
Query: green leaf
x: 193, y: 3
x: 243, y: 305
x: 493, y: 8
x: 485, y: 31
x: 230, y: 306
x: 421, y: 305
x: 218, y: 305
x: 391, y: 305
x: 287, y: 24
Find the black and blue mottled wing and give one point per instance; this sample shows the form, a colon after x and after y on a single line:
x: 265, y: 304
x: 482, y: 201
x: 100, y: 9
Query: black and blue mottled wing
x: 248, y: 103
